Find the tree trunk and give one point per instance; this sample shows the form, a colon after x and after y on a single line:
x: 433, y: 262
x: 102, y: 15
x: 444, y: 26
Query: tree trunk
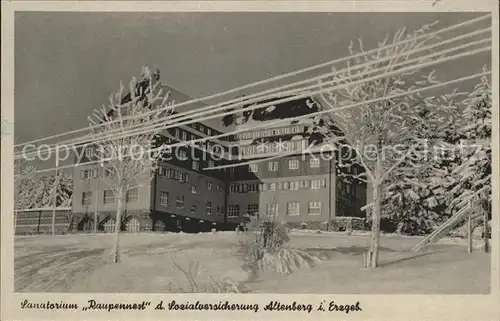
x: 469, y: 233
x: 486, y: 229
x: 118, y: 225
x: 375, y: 242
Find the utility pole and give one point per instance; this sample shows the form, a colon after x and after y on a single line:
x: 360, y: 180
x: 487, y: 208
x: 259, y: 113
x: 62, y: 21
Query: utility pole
x: 56, y: 186
x: 96, y: 198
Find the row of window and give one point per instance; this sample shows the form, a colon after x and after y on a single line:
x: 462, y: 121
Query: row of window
x: 293, y: 164
x: 109, y: 197
x: 183, y: 178
x: 292, y: 145
x: 179, y: 203
x: 182, y: 135
x: 293, y: 208
x: 269, y: 132
x: 95, y: 172
x: 278, y: 186
x: 204, y: 129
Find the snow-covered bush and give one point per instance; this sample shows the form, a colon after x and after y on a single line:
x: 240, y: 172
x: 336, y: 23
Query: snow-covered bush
x: 266, y: 248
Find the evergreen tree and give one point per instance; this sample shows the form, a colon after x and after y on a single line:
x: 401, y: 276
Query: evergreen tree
x: 471, y: 180
x: 414, y: 198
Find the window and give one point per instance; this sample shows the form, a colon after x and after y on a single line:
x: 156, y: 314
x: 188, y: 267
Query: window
x: 180, y: 177
x: 195, y: 166
x: 232, y: 189
x: 253, y: 168
x: 316, y: 184
x: 314, y: 208
x: 314, y: 162
x: 186, y: 178
x: 202, y: 128
x: 193, y: 208
x: 280, y: 186
x: 89, y: 152
x: 272, y: 209
x: 295, y: 129
x: 292, y: 208
x: 209, y: 208
x: 253, y: 209
x: 194, y: 189
x: 293, y: 164
x: 209, y: 132
x: 179, y: 202
x: 323, y: 183
x: 109, y: 197
x: 219, y: 188
x: 87, y: 198
x: 209, y: 185
x: 272, y: 186
x: 273, y: 166
x: 211, y: 163
x: 253, y: 187
x: 177, y: 133
x: 304, y: 184
x: 184, y: 136
x: 85, y: 174
x: 262, y: 187
x: 182, y: 155
x: 164, y: 199
x: 132, y: 195
x: 219, y: 210
x: 234, y: 211
x: 294, y: 186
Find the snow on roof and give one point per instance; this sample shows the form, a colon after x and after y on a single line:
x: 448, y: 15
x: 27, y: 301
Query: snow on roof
x: 179, y: 97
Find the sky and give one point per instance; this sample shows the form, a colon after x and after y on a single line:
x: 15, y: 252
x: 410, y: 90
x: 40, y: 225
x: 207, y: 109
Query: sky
x: 67, y: 63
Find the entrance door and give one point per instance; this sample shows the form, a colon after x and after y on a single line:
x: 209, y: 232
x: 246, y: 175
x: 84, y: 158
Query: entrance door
x: 109, y: 226
x: 133, y: 225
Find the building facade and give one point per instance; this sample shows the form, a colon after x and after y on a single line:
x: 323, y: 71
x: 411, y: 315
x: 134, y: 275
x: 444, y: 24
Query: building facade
x: 185, y: 194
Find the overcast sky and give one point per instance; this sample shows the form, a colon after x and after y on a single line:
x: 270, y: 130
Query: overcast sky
x: 66, y: 64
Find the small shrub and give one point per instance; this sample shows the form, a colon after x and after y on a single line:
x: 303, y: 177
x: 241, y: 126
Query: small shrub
x: 269, y: 251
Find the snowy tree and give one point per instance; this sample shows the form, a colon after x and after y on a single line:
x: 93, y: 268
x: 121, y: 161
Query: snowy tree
x: 472, y: 186
x: 381, y: 133
x: 129, y: 159
x: 414, y: 197
x: 25, y: 186
x: 466, y: 176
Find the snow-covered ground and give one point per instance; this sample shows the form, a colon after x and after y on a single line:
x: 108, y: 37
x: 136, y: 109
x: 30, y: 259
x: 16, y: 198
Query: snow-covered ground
x: 81, y: 263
